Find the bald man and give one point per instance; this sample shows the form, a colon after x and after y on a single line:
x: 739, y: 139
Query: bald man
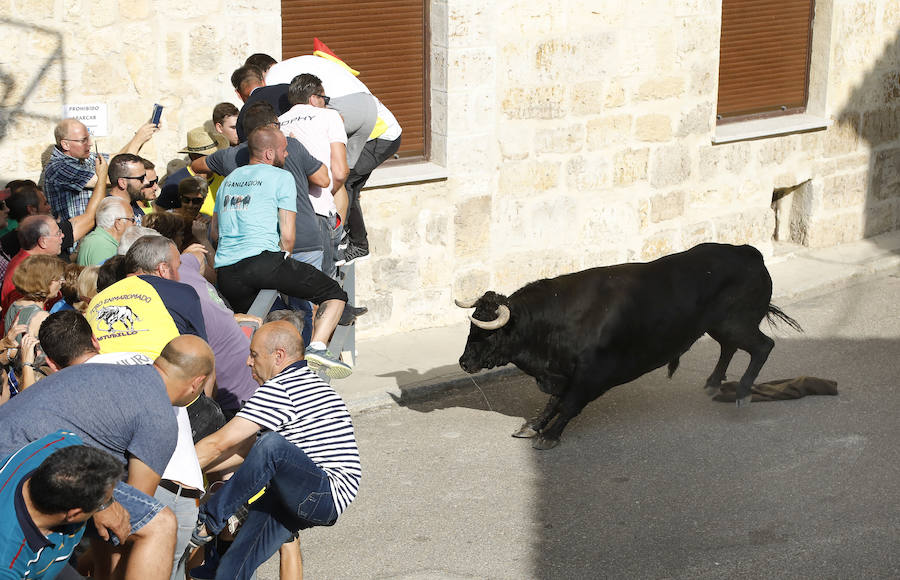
x: 70, y: 176
x: 127, y: 411
x: 254, y: 224
x: 306, y: 456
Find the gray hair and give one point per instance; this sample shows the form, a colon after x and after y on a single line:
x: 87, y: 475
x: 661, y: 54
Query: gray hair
x: 148, y: 252
x: 132, y: 235
x: 111, y: 209
x: 292, y: 316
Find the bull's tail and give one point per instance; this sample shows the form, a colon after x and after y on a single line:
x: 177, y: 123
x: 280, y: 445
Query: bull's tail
x: 775, y: 312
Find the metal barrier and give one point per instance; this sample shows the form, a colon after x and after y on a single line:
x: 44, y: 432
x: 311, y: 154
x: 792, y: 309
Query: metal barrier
x: 344, y: 340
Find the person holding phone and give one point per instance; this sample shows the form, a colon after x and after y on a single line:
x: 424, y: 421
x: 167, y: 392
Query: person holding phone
x: 70, y: 175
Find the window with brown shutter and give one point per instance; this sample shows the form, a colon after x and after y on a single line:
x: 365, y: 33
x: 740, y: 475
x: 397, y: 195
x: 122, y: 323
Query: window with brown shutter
x: 383, y: 39
x: 764, y: 58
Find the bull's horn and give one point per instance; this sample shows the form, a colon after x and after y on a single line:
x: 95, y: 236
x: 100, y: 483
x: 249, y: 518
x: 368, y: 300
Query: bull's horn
x: 468, y: 304
x: 502, y: 319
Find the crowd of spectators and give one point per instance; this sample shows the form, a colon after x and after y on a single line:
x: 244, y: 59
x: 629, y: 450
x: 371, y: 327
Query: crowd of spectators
x: 194, y: 421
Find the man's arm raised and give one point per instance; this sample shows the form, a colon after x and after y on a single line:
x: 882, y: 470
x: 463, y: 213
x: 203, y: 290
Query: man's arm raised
x: 84, y: 223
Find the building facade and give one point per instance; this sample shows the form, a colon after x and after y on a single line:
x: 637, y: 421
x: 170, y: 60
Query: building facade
x: 558, y: 136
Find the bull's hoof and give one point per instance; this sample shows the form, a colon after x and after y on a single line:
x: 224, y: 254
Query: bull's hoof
x: 543, y: 443
x: 525, y: 432
x: 743, y: 401
x: 712, y: 390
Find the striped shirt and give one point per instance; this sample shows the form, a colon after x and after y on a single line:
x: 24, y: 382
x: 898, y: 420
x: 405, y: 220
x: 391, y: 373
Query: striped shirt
x: 310, y: 414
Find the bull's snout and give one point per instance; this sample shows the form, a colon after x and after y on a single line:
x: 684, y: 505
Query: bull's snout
x: 467, y: 365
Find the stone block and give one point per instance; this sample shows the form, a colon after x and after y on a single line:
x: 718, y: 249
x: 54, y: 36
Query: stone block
x: 472, y: 228
x: 886, y: 174
x: 842, y: 137
x: 381, y: 306
x: 666, y: 206
x: 835, y: 229
x: 439, y: 22
x: 204, y: 48
x: 587, y: 174
x: 610, y: 223
x: 515, y: 139
x: 697, y: 121
x: 468, y: 69
x: 881, y: 126
x: 748, y: 227
x: 98, y: 78
x: 470, y: 113
x: 135, y: 10
x: 704, y: 78
x: 777, y: 150
x: 657, y: 89
x: 524, y: 178
x: 588, y: 98
x: 660, y: 244
x: 437, y: 230
x: 653, y: 127
x: 518, y: 269
x: 102, y: 12
x: 696, y: 233
x: 880, y: 219
x: 670, y: 165
x: 546, y: 102
x: 630, y: 166
x: 614, y: 95
x: 470, y: 23
x: 845, y: 191
x: 395, y: 273
x: 562, y: 139
x: 606, y: 131
x: 174, y: 53
x: 439, y: 69
x: 727, y: 158
x: 471, y: 284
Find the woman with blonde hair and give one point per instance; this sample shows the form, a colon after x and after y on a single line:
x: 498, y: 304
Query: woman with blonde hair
x: 38, y: 278
x: 87, y: 287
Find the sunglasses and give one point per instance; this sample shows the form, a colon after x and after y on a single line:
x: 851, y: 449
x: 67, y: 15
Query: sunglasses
x: 151, y: 183
x: 138, y: 177
x: 185, y: 200
x: 325, y: 98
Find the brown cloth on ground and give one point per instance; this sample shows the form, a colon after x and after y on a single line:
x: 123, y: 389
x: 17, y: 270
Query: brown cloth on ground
x: 780, y: 390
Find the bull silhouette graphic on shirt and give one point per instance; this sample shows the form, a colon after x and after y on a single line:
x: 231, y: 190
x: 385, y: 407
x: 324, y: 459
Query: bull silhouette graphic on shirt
x: 113, y: 314
x: 237, y: 201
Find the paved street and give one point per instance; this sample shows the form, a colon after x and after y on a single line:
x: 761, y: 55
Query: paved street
x: 653, y: 480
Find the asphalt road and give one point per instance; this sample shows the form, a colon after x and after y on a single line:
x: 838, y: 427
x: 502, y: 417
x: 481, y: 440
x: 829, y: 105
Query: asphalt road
x: 653, y: 480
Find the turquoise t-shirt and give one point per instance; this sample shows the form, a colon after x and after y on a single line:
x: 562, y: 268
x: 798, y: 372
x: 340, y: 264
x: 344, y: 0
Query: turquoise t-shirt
x: 247, y: 207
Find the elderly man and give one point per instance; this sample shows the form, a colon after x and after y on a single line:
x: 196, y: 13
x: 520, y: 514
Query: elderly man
x: 129, y: 181
x: 114, y: 217
x: 254, y: 224
x: 135, y: 423
x: 70, y: 174
x: 39, y: 234
x: 144, y: 311
x: 51, y: 487
x: 307, y: 455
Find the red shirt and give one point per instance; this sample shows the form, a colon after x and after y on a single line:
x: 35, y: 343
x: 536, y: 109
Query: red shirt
x: 8, y: 292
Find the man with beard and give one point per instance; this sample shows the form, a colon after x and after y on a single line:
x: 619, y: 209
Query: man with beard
x: 254, y: 224
x: 127, y: 178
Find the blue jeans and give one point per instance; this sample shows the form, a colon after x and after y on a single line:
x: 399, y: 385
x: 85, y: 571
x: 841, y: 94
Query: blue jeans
x: 313, y: 258
x: 185, y: 510
x: 298, y: 496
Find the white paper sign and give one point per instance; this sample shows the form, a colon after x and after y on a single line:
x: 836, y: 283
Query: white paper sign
x: 92, y: 115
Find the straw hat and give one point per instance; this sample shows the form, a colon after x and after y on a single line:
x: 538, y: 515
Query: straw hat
x: 199, y: 141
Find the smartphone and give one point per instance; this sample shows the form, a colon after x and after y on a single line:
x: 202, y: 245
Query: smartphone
x: 157, y: 114
x: 96, y: 152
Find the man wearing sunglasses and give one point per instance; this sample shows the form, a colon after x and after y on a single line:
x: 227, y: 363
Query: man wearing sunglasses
x: 70, y: 176
x: 129, y: 181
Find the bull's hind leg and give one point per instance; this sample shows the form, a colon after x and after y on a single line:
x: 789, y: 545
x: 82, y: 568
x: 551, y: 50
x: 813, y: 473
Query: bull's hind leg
x: 726, y: 352
x: 533, y: 426
x: 759, y: 346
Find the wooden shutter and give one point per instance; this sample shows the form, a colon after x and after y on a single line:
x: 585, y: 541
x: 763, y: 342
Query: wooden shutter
x: 764, y: 56
x: 383, y: 39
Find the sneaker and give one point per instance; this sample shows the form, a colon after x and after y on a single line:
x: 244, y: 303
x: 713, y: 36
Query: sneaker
x: 352, y: 254
x: 323, y: 359
x: 348, y: 316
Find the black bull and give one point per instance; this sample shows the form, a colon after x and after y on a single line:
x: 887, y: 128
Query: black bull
x: 581, y: 334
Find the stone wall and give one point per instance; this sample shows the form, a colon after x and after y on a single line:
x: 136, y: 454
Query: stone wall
x: 574, y: 133
x: 127, y: 55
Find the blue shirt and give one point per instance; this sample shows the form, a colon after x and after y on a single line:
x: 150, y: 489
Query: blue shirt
x: 247, y: 211
x: 24, y: 551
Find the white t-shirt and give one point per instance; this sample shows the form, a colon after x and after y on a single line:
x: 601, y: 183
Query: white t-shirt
x: 317, y: 129
x: 183, y: 467
x: 336, y: 80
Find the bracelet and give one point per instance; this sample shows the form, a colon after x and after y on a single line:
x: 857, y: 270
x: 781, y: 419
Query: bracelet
x: 28, y: 364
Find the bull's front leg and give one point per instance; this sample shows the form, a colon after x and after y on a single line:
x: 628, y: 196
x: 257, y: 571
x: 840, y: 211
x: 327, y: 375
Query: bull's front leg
x: 532, y: 427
